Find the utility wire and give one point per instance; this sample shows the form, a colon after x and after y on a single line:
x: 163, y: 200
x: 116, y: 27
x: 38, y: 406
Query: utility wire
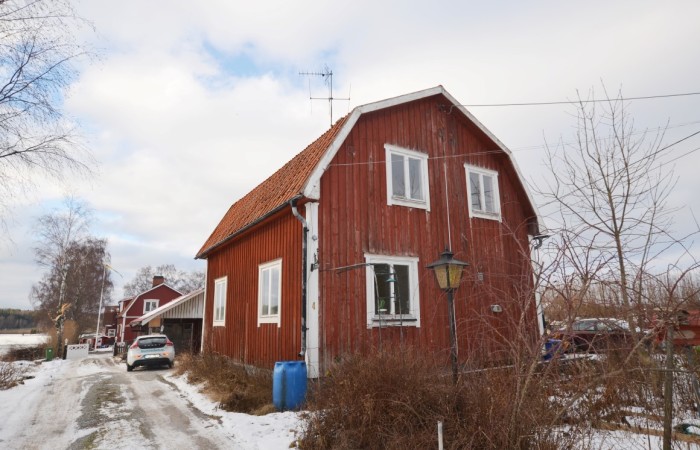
x: 568, y: 102
x: 500, y: 151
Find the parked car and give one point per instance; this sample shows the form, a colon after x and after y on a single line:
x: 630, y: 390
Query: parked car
x: 150, y: 350
x: 594, y: 335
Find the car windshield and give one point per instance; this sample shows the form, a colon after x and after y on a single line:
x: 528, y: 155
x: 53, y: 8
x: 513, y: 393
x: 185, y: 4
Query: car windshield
x: 151, y: 342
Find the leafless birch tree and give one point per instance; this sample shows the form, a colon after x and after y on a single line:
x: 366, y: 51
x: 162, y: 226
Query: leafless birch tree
x: 38, y: 53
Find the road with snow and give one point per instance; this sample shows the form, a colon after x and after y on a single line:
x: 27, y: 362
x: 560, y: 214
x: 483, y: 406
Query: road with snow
x: 94, y: 403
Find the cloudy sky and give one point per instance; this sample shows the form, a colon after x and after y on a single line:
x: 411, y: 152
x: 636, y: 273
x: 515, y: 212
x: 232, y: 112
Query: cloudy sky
x: 192, y: 104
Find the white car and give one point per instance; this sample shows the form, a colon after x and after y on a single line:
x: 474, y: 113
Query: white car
x: 150, y: 350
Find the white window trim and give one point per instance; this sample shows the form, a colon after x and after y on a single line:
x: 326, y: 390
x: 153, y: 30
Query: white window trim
x: 222, y: 321
x: 406, y: 320
x: 390, y: 199
x: 270, y: 318
x: 147, y: 302
x: 497, y: 196
x: 111, y: 332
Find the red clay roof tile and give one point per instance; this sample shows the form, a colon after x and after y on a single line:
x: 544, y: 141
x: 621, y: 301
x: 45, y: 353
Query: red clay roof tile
x: 281, y: 187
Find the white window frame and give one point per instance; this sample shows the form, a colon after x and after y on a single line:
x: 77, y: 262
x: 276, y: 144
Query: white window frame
x: 374, y: 319
x: 492, y: 215
x: 220, y: 293
x: 147, y: 302
x: 269, y: 318
x: 111, y: 332
x: 392, y: 199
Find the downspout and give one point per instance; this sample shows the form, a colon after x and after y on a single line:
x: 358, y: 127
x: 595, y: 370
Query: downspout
x: 304, y: 239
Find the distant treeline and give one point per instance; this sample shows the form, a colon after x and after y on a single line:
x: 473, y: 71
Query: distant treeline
x: 13, y: 319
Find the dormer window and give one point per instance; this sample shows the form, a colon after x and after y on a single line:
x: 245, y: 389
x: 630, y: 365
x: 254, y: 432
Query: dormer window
x: 407, y: 177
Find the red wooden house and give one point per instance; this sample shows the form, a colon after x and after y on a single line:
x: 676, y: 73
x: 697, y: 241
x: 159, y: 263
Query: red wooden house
x: 132, y: 308
x: 328, y: 256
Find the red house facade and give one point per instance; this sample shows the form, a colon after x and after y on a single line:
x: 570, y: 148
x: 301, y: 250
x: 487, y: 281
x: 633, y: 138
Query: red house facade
x: 328, y: 256
x: 132, y: 308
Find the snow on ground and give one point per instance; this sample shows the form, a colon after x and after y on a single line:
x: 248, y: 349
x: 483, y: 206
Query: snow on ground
x: 272, y: 431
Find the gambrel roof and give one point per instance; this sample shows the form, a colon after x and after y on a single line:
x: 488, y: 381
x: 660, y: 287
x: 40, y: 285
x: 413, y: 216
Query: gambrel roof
x: 300, y: 177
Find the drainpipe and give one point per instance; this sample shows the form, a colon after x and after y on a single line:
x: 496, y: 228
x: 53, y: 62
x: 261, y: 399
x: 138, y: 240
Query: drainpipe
x: 304, y: 238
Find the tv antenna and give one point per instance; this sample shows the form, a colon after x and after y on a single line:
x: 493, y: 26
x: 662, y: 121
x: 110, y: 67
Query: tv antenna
x: 327, y: 75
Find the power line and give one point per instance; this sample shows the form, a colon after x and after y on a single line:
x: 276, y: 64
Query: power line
x: 500, y: 151
x: 679, y: 157
x: 569, y: 102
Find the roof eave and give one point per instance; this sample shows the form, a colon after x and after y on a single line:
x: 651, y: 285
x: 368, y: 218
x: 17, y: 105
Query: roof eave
x: 205, y: 253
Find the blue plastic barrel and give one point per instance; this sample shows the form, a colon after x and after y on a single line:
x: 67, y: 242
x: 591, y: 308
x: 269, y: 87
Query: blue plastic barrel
x: 289, y: 385
x: 551, y: 347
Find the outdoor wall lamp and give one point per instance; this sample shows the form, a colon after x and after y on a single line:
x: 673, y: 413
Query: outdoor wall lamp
x: 448, y: 273
x: 539, y: 240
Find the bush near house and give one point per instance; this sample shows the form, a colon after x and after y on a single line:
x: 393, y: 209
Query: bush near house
x: 394, y: 400
x: 235, y: 387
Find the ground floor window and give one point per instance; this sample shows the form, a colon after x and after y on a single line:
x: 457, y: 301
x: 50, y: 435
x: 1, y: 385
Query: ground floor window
x: 392, y: 291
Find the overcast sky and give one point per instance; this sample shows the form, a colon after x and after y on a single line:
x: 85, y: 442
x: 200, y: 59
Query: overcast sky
x: 192, y: 104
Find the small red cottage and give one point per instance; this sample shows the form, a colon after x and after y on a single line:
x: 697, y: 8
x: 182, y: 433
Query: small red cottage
x: 135, y: 307
x: 328, y: 256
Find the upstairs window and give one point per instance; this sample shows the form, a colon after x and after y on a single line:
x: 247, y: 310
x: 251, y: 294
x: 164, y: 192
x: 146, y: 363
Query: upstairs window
x: 407, y: 178
x: 149, y: 305
x: 482, y: 189
x: 220, y: 285
x: 392, y: 291
x: 269, y: 292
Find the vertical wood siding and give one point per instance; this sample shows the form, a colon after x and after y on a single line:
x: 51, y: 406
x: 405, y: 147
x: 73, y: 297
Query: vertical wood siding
x: 355, y: 219
x: 241, y: 338
x: 164, y: 294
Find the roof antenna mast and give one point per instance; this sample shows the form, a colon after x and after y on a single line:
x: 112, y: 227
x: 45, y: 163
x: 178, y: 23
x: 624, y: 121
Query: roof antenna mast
x: 327, y: 75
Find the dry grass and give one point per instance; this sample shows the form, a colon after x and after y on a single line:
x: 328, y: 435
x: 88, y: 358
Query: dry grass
x: 394, y: 400
x: 25, y: 354
x: 235, y: 387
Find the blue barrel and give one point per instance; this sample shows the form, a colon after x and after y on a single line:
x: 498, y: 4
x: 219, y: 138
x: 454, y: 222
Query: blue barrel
x: 551, y: 347
x: 289, y: 385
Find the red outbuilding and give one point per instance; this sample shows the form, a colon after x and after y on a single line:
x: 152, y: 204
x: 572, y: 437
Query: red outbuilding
x: 134, y: 307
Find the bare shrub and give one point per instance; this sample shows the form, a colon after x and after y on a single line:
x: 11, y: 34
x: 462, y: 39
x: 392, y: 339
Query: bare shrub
x: 233, y: 386
x: 10, y: 375
x: 394, y: 399
x: 24, y: 354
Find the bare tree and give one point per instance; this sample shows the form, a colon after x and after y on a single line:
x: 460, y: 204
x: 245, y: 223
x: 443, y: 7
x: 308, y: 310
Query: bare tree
x: 70, y: 289
x: 181, y: 280
x: 37, y: 64
x: 79, y: 285
x: 610, y: 193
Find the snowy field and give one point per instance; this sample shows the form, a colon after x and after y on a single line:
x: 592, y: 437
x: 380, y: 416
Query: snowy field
x: 9, y: 341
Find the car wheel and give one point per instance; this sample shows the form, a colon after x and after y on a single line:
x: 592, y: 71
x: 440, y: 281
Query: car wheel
x: 129, y: 368
x: 170, y: 364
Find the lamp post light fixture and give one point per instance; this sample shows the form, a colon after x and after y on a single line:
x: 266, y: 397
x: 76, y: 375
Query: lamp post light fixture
x: 448, y: 273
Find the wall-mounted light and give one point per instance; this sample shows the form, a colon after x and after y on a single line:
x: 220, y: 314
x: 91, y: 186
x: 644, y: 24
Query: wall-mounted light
x: 538, y: 240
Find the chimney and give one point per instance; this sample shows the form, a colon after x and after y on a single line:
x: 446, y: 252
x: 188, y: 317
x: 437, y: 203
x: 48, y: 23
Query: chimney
x: 158, y: 279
